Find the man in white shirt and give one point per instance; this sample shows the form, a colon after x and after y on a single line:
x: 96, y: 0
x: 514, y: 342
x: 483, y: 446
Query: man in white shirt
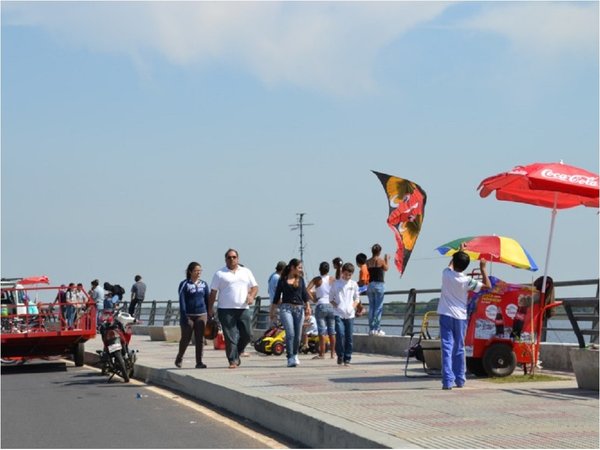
x: 236, y: 288
x: 452, y: 309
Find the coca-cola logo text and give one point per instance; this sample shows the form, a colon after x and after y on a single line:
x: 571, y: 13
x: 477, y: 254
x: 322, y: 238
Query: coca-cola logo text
x: 573, y: 179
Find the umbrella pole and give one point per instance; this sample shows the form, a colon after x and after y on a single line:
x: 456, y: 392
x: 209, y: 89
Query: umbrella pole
x: 552, y: 221
x: 532, y: 338
x: 543, y: 293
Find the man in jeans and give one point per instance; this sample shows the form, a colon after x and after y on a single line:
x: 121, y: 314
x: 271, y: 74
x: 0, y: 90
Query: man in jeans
x: 236, y: 288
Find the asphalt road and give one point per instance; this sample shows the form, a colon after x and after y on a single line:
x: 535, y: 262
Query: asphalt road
x: 57, y: 405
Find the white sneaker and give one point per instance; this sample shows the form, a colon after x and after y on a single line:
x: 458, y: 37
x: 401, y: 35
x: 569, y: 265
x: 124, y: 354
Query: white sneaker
x: 291, y: 362
x: 296, y: 360
x: 371, y: 332
x: 380, y: 333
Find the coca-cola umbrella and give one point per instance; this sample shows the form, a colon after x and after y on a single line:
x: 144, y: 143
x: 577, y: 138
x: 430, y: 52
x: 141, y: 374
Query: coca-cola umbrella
x: 551, y: 185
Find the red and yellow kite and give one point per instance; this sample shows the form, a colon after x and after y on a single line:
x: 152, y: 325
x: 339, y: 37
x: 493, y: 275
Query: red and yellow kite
x: 406, y: 201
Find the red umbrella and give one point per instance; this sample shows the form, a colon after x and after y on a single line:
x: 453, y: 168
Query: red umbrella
x: 551, y: 185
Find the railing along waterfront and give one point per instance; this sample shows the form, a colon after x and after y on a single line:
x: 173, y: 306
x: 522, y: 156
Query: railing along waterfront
x: 404, y: 310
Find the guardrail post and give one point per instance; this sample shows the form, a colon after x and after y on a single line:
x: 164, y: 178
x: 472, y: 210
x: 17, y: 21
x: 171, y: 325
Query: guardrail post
x: 409, y: 314
x: 544, y: 330
x: 256, y: 312
x: 168, y: 313
x: 152, y: 314
x: 594, y: 336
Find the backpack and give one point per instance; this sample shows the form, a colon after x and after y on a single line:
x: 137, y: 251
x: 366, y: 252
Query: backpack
x: 119, y: 291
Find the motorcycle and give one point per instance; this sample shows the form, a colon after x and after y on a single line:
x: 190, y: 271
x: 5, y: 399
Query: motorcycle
x: 116, y: 358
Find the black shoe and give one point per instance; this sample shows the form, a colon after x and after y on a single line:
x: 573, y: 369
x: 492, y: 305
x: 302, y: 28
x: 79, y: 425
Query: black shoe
x: 178, y: 363
x: 340, y: 361
x: 200, y: 366
x: 446, y: 388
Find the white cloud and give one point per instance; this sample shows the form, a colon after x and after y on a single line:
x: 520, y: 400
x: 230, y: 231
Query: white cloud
x: 549, y: 29
x: 320, y: 45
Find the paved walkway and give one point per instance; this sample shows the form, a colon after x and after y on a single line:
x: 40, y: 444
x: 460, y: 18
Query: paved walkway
x: 371, y: 404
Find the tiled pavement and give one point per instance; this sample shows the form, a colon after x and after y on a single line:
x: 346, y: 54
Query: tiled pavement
x: 372, y: 404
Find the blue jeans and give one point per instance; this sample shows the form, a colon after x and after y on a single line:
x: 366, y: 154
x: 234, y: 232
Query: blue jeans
x: 325, y: 319
x: 237, y: 331
x: 70, y: 315
x: 344, y: 328
x: 292, y: 318
x: 452, y: 333
x: 375, y: 292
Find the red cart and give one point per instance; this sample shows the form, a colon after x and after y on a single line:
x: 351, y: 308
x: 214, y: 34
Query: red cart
x: 504, y: 329
x: 33, y: 325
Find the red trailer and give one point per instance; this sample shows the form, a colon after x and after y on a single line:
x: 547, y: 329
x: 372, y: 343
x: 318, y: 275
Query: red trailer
x: 35, y: 325
x: 503, y: 329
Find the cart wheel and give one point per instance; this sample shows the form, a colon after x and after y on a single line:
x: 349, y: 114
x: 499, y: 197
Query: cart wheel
x: 475, y: 366
x: 257, y: 345
x: 278, y: 348
x: 499, y: 360
x: 79, y: 354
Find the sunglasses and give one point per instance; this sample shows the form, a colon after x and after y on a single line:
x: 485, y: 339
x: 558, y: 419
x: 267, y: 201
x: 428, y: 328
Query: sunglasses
x: 232, y: 257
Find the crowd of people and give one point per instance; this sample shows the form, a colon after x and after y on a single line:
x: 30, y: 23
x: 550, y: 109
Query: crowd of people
x: 336, y: 304
x: 233, y: 289
x: 71, y: 299
x: 327, y: 306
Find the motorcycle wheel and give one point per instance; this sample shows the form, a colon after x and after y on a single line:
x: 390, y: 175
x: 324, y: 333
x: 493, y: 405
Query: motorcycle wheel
x: 120, y: 367
x: 130, y: 363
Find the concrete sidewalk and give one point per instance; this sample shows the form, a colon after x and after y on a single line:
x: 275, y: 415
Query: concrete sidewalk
x: 371, y: 404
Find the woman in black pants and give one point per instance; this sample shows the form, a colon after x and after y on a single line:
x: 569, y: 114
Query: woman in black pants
x: 193, y: 297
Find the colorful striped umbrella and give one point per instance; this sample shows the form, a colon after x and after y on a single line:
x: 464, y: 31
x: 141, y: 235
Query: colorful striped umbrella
x: 492, y: 248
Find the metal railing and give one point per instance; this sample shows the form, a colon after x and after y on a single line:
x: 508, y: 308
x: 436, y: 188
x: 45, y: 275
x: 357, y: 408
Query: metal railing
x: 577, y: 311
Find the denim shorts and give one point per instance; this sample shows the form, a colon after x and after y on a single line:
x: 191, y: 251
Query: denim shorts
x: 325, y: 319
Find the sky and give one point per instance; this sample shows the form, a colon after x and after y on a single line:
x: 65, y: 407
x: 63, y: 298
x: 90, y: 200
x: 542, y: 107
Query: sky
x: 138, y: 137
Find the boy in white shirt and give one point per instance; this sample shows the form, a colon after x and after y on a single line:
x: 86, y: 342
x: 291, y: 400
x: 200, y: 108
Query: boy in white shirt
x: 452, y: 309
x: 344, y: 298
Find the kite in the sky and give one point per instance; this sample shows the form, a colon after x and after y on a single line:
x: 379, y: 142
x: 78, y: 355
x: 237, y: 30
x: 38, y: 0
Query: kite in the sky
x: 406, y: 201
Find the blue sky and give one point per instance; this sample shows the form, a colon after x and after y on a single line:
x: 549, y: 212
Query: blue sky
x: 137, y: 137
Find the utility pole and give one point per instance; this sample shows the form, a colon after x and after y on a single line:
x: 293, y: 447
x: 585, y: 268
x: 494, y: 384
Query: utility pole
x: 299, y: 225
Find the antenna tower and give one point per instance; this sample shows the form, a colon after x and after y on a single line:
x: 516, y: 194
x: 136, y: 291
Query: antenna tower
x: 299, y: 225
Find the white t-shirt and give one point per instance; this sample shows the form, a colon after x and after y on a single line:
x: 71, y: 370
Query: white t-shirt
x: 233, y: 287
x: 455, y: 290
x: 322, y: 292
x: 344, y: 294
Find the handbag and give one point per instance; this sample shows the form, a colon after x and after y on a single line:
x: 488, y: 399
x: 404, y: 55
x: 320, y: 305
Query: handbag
x: 211, y: 328
x: 360, y: 309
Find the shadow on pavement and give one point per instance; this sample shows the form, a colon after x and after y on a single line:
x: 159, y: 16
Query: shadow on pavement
x: 38, y: 367
x: 564, y: 394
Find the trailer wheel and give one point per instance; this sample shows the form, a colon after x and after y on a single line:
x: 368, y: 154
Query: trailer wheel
x: 475, y: 366
x: 79, y: 354
x: 499, y: 360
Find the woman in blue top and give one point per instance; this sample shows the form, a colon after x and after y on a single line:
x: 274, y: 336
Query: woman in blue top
x: 193, y: 296
x: 292, y: 297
